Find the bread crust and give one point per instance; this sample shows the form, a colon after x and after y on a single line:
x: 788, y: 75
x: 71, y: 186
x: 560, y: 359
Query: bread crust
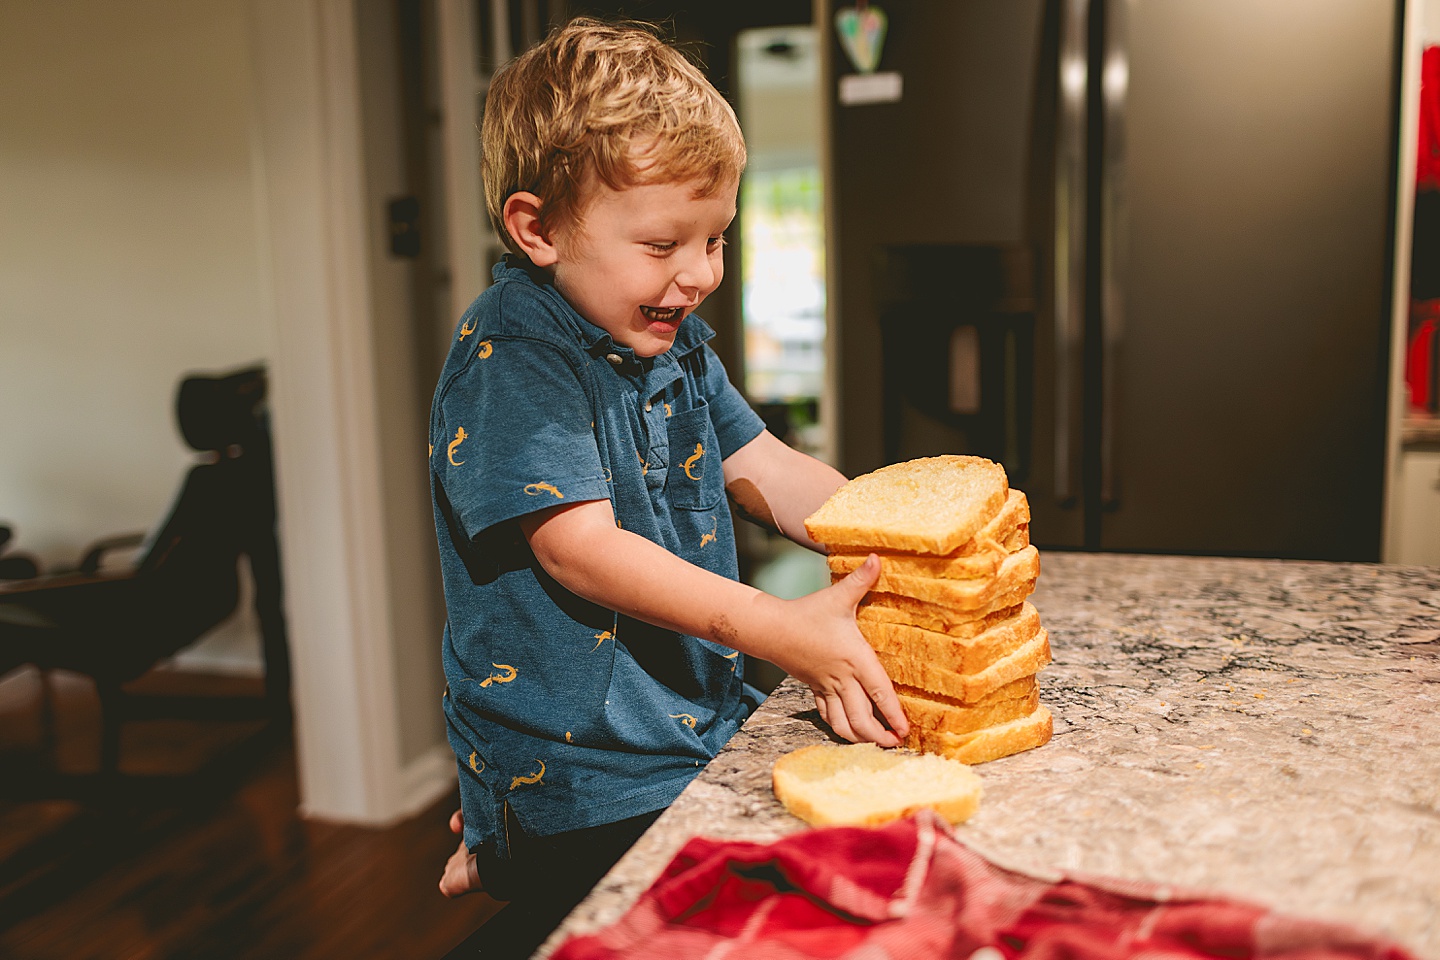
x: 932, y: 505
x: 981, y: 556
x: 968, y: 688
x: 906, y: 611
x: 1016, y: 572
x: 991, y: 743
x: 943, y: 715
x: 961, y: 654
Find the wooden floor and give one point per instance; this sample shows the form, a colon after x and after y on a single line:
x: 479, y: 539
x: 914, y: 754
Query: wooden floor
x: 197, y: 852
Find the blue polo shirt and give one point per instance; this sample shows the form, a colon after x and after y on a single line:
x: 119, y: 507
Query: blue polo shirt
x: 571, y: 713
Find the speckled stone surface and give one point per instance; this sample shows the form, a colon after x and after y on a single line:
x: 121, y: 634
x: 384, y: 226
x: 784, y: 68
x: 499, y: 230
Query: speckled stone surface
x: 1266, y: 730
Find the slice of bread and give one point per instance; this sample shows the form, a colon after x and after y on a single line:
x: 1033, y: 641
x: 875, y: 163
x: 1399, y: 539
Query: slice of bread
x: 990, y: 743
x: 947, y: 652
x: 859, y: 784
x: 904, y: 611
x: 1016, y: 571
x: 980, y: 556
x: 932, y: 506
x: 908, y: 671
x: 945, y: 715
x: 974, y: 566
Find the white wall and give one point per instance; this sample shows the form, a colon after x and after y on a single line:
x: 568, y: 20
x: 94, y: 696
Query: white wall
x: 128, y: 256
x: 179, y: 191
x: 128, y: 251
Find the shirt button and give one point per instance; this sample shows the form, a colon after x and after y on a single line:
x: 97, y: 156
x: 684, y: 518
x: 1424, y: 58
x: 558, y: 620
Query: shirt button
x: 615, y: 358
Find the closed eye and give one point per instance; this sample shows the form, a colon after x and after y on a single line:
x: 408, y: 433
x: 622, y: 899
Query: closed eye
x: 665, y: 247
x: 715, y: 242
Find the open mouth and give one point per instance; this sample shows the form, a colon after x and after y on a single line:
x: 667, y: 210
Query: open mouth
x: 662, y: 314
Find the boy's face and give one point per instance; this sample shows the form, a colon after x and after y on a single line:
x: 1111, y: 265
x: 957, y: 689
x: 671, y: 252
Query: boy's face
x: 643, y: 259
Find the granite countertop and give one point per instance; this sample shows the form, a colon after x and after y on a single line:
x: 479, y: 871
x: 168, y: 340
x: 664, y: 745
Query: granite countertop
x: 1267, y: 730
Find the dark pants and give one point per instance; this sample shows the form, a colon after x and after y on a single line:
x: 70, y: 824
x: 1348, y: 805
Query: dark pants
x: 543, y: 880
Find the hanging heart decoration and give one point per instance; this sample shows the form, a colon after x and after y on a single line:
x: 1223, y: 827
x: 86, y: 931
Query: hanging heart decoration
x: 862, y: 34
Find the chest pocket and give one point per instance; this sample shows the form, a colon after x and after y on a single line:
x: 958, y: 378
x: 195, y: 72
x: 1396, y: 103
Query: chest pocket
x: 695, y: 477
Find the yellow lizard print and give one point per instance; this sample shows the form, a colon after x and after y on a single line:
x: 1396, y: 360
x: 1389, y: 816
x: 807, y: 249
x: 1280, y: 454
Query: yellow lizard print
x: 710, y: 537
x: 536, y: 488
x: 467, y: 329
x: 486, y: 348
x: 600, y: 638
x: 567, y: 737
x: 685, y: 718
x: 644, y: 467
x: 473, y: 756
x: 506, y: 674
x: 699, y: 452
x: 608, y: 476
x: 667, y: 411
x: 532, y: 778
x: 432, y: 449
x: 460, y: 437
x: 734, y: 658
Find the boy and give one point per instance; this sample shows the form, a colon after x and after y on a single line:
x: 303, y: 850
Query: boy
x: 583, y: 440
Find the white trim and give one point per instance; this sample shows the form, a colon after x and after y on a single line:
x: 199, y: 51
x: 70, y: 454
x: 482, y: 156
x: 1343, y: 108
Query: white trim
x: 325, y: 416
x: 426, y: 779
x: 831, y: 406
x: 461, y: 86
x: 1411, y: 48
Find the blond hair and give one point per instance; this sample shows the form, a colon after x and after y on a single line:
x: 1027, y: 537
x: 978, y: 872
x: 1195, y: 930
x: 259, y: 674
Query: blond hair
x: 611, y: 101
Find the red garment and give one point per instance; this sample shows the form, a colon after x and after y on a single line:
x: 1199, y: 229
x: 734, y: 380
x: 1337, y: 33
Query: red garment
x: 1427, y: 170
x: 910, y: 889
x: 1420, y: 354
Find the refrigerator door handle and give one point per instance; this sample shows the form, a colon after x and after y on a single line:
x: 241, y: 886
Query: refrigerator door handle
x: 1115, y: 85
x: 1069, y: 248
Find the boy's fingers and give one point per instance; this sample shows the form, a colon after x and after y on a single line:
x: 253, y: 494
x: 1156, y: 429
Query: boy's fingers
x: 889, y: 706
x: 861, y: 714
x: 860, y: 581
x: 882, y: 694
x: 837, y: 717
x: 457, y: 822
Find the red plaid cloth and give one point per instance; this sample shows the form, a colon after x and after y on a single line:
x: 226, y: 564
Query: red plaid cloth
x: 910, y: 889
x: 1427, y: 169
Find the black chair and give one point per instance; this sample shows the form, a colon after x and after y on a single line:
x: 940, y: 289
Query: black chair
x: 15, y: 566
x: 113, y: 627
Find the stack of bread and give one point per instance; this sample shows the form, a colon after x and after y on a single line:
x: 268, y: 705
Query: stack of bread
x: 948, y: 617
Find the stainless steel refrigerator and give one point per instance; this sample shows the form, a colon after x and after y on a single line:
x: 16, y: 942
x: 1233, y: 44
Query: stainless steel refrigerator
x: 1140, y: 251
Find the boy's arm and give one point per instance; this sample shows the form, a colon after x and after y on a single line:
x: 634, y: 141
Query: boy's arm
x: 777, y: 486
x: 814, y: 638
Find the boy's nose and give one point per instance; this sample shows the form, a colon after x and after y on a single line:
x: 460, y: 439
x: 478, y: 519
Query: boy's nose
x: 696, y: 273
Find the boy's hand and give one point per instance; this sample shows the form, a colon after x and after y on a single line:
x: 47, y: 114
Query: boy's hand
x: 840, y: 667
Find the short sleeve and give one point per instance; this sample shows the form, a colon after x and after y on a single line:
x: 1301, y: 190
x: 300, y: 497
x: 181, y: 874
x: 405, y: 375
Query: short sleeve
x: 517, y: 435
x: 736, y: 423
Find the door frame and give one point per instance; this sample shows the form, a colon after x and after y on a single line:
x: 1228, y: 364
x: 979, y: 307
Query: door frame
x: 324, y: 401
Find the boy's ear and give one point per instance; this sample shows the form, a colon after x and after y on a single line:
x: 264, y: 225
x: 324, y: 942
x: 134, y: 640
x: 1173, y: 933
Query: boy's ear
x: 522, y: 219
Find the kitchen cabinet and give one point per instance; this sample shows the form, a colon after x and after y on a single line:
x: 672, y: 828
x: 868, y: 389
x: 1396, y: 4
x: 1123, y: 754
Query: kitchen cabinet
x: 1415, y: 504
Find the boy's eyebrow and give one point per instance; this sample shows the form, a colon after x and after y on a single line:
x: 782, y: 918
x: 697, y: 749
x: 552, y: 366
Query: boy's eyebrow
x: 665, y: 222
